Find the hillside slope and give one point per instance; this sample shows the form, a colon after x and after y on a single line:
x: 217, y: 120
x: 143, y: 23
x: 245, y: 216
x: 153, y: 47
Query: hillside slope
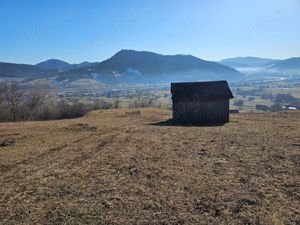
x: 19, y: 70
x: 111, y: 168
x: 54, y: 64
x: 288, y: 64
x: 247, y: 62
x: 254, y: 67
x: 131, y: 66
x: 59, y: 65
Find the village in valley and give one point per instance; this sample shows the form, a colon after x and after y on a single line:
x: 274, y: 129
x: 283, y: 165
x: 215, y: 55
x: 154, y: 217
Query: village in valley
x: 249, y: 96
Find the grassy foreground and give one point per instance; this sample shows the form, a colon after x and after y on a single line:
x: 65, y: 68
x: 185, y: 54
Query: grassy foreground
x: 113, y: 168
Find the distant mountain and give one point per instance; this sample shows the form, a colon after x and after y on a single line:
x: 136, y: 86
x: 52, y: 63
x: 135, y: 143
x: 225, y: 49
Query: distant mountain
x: 141, y: 66
x: 43, y: 69
x: 129, y: 66
x: 287, y: 64
x: 59, y: 65
x: 54, y: 64
x: 247, y: 62
x: 13, y: 70
x: 84, y: 64
x: 261, y: 68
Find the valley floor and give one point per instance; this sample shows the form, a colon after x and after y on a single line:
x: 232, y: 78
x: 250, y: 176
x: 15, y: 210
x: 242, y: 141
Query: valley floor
x: 113, y: 168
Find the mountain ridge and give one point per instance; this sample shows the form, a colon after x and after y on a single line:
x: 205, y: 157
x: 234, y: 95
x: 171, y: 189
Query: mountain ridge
x: 247, y: 61
x: 255, y: 67
x: 60, y: 65
x: 13, y: 70
x: 53, y: 64
x: 144, y: 66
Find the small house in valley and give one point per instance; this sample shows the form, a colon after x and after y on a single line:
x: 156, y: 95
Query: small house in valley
x: 201, y: 102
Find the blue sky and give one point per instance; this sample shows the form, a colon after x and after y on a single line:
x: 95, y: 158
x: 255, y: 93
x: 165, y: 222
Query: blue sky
x: 87, y: 30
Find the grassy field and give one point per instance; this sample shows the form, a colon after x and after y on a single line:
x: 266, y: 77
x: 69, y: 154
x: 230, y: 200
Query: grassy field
x: 249, y: 106
x: 294, y: 91
x: 113, y: 168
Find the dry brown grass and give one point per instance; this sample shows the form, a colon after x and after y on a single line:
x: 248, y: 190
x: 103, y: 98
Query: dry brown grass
x: 113, y: 168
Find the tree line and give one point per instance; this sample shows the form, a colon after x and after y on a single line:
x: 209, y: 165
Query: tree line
x: 18, y: 104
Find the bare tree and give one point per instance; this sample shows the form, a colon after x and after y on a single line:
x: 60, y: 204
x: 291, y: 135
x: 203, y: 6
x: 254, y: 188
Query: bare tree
x: 117, y: 102
x: 101, y: 104
x: 13, y: 97
x: 2, y: 88
x: 37, y: 99
x: 239, y: 103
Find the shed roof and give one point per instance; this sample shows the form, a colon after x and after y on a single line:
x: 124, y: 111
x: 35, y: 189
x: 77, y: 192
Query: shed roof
x: 210, y: 90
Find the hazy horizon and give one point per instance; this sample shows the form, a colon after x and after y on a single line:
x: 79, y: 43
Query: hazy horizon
x: 57, y: 58
x: 77, y: 31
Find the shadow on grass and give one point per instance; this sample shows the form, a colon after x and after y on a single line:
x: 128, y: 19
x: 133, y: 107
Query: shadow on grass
x: 171, y: 122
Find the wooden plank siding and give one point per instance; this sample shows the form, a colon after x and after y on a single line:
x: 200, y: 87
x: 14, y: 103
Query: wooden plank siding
x: 201, y: 111
x: 201, y: 102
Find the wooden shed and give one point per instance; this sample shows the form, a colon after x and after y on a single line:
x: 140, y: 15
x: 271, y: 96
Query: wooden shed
x: 201, y: 102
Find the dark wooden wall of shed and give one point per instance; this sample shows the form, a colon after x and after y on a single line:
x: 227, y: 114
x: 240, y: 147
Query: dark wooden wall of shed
x: 201, y: 111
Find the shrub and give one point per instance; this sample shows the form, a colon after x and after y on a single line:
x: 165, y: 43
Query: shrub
x: 275, y: 107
